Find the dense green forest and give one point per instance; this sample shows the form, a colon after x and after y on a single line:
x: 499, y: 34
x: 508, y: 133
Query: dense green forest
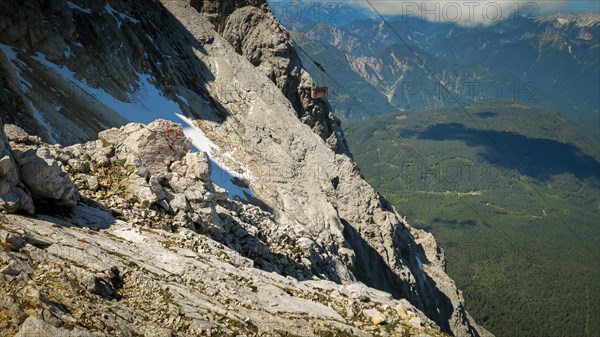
x: 512, y: 195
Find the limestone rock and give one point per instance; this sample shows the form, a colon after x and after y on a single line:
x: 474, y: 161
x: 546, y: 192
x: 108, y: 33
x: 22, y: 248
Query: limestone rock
x: 259, y: 37
x: 45, y: 177
x: 181, y: 284
x: 150, y: 149
x: 29, y: 166
x: 402, y: 312
x: 14, y: 242
x: 416, y: 322
x: 198, y: 166
x: 16, y: 134
x: 375, y: 316
x: 218, y: 11
x: 13, y: 193
x: 36, y: 327
x: 161, y: 170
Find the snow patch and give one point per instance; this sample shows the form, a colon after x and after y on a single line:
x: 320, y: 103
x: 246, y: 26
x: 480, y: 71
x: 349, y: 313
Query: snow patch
x: 216, y: 69
x: 251, y: 110
x: 562, y: 21
x: 41, y: 121
x: 419, y: 263
x: 77, y: 8
x: 220, y: 173
x: 229, y: 154
x: 148, y: 104
x: 9, y: 52
x: 183, y: 99
x: 119, y: 16
x: 68, y: 52
x: 151, y: 39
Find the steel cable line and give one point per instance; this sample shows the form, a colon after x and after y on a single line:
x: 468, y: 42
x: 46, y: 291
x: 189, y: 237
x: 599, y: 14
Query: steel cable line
x: 419, y: 158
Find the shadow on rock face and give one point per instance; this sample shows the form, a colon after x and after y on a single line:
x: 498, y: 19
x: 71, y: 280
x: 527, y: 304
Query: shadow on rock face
x: 370, y: 268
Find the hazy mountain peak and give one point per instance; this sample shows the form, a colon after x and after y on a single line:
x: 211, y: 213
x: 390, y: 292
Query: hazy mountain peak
x: 581, y: 19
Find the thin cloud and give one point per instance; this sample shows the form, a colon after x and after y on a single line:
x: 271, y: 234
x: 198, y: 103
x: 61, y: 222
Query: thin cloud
x: 469, y: 13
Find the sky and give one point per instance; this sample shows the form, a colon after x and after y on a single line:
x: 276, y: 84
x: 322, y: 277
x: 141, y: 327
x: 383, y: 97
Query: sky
x: 584, y: 5
x: 476, y: 12
x: 467, y: 12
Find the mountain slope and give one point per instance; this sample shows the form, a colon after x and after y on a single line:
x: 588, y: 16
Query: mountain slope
x: 108, y: 63
x: 95, y: 271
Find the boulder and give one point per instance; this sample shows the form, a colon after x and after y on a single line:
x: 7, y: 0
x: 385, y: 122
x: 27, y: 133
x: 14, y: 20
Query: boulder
x: 375, y: 316
x: 151, y: 149
x: 13, y: 193
x: 162, y: 172
x: 33, y: 326
x: 15, y: 134
x: 416, y: 321
x: 198, y: 166
x: 14, y: 242
x: 402, y: 313
x: 45, y: 177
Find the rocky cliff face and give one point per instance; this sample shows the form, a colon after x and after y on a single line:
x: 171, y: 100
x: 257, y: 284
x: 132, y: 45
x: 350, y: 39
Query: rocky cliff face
x: 262, y: 40
x: 218, y: 11
x: 267, y: 179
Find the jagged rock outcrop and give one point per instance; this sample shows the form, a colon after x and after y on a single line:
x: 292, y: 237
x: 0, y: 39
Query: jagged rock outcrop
x: 154, y: 168
x: 260, y: 38
x: 41, y: 171
x: 218, y: 11
x: 148, y: 174
x: 311, y: 216
x: 133, y: 277
x: 30, y: 173
x: 13, y: 193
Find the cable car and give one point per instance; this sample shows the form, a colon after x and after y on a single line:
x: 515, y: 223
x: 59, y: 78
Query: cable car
x: 317, y: 91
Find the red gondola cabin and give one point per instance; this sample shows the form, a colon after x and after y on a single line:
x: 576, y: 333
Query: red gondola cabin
x: 318, y: 91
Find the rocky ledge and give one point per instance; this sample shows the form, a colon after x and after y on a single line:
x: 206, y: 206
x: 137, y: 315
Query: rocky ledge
x: 132, y: 238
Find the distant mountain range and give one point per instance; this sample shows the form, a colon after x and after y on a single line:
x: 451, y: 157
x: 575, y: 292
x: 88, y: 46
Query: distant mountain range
x: 551, y: 62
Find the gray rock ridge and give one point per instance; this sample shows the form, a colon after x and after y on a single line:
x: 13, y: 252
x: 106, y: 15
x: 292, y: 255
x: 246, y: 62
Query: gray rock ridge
x: 255, y: 34
x: 320, y: 218
x: 350, y: 207
x: 127, y: 280
x: 145, y: 173
x: 122, y: 262
x: 218, y: 11
x: 123, y: 146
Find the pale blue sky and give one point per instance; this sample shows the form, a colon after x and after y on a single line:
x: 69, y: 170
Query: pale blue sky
x: 584, y: 5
